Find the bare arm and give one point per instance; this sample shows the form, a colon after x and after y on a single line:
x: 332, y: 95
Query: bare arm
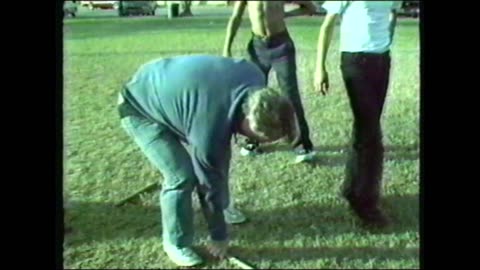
x: 325, y: 37
x: 393, y: 23
x: 233, y: 25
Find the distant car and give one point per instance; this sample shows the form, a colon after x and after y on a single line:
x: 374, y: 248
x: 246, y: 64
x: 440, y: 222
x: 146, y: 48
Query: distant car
x: 70, y: 8
x: 413, y: 12
x: 126, y: 8
x: 98, y: 4
x: 410, y: 9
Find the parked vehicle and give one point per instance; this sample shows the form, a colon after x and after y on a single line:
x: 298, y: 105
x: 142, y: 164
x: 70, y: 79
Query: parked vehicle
x: 410, y: 9
x: 98, y: 4
x: 126, y: 8
x: 70, y: 8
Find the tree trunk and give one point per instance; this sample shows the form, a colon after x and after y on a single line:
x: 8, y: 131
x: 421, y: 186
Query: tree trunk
x: 186, y: 10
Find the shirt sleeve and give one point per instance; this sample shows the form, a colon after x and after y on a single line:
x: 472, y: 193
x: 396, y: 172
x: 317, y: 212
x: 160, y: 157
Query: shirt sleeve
x: 211, y: 162
x: 396, y: 5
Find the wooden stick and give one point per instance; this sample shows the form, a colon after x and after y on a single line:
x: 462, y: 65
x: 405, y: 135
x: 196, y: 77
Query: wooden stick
x: 136, y: 193
x: 236, y: 261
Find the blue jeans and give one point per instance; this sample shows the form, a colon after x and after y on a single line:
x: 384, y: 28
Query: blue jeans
x: 171, y: 158
x: 167, y: 154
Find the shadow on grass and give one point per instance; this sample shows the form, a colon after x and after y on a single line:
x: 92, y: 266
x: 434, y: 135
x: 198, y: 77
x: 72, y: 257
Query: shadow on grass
x: 320, y: 220
x: 337, y: 148
x: 95, y: 221
x: 333, y: 161
x: 336, y: 155
x: 290, y: 255
x: 312, y: 221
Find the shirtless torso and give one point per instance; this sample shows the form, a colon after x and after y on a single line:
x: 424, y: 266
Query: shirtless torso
x: 266, y: 17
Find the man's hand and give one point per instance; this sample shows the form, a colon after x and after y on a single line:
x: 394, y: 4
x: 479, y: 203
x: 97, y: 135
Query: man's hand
x: 321, y: 83
x: 233, y: 25
x: 218, y: 249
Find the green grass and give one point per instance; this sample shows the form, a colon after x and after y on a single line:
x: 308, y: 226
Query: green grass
x: 297, y: 218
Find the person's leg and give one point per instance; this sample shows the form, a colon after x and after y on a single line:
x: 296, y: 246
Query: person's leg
x: 366, y: 81
x: 168, y: 155
x: 379, y: 75
x: 284, y: 64
x: 231, y: 213
x: 259, y: 55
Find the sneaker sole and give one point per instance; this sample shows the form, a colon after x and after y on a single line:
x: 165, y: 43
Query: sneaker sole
x: 246, y: 153
x: 305, y: 158
x: 183, y: 263
x: 179, y: 263
x: 234, y: 222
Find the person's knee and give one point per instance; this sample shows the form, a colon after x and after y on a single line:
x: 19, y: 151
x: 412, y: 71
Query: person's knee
x: 368, y: 138
x: 179, y: 181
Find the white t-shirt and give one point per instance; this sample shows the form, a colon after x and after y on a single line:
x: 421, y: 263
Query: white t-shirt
x: 365, y: 25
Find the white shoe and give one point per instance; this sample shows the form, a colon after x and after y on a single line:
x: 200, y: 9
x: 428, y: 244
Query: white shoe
x: 304, y: 156
x: 182, y: 256
x: 250, y: 150
x: 233, y: 216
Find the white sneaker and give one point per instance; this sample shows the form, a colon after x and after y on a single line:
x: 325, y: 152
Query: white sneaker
x: 305, y: 156
x: 250, y: 150
x: 233, y: 216
x: 182, y: 256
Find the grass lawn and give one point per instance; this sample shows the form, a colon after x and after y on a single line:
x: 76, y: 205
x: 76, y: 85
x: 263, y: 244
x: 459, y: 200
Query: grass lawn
x: 298, y: 219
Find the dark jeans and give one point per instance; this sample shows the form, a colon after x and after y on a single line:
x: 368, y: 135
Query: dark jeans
x: 278, y: 52
x: 366, y: 78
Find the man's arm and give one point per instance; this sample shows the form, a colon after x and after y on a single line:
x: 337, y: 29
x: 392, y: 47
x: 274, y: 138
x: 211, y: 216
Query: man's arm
x: 233, y: 25
x: 334, y: 9
x: 211, y: 156
x: 324, y: 40
x: 393, y: 19
x: 393, y: 23
x: 306, y: 8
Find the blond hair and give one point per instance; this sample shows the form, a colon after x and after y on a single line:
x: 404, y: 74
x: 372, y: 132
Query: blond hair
x: 271, y: 114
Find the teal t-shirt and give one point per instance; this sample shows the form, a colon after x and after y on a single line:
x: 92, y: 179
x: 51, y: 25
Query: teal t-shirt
x: 198, y: 97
